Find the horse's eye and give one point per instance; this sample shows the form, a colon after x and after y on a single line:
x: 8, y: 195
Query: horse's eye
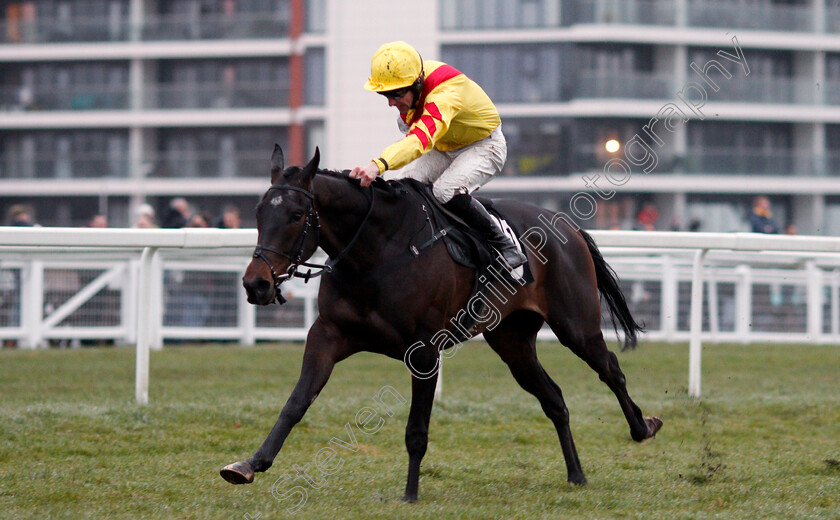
x: 297, y: 215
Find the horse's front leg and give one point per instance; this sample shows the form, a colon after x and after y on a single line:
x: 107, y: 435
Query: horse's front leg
x: 424, y: 363
x: 323, y: 351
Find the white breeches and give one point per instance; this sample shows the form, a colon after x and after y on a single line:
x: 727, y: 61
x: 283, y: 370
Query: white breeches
x: 458, y: 171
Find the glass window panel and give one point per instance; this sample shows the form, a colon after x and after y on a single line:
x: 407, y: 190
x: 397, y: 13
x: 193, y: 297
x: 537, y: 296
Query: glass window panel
x: 315, y: 77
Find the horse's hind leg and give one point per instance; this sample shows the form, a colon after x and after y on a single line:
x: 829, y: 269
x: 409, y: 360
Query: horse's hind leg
x: 592, y: 349
x: 514, y: 340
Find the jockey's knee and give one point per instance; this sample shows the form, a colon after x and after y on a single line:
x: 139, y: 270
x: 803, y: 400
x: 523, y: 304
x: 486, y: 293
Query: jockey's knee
x: 444, y: 193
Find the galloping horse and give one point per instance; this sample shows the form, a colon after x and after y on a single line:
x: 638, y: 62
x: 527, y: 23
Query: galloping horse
x: 373, y: 297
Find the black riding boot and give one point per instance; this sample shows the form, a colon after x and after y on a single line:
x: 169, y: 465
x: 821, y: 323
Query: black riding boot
x: 473, y: 213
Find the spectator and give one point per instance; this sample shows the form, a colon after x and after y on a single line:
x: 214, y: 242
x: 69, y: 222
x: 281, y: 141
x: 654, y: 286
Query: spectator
x: 229, y: 219
x: 145, y: 217
x: 761, y: 218
x: 98, y: 221
x: 196, y: 285
x: 647, y: 217
x: 145, y: 221
x: 694, y: 225
x: 198, y: 220
x: 20, y: 215
x: 177, y: 214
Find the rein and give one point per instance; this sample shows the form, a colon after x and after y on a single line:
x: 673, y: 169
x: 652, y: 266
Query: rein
x: 296, y: 256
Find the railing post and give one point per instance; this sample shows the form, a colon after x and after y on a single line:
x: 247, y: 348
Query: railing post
x: 743, y: 303
x: 144, y: 294
x: 156, y: 303
x: 128, y: 304
x: 668, y: 299
x: 32, y: 304
x: 247, y: 318
x: 696, y: 326
x: 814, y: 301
x: 835, y: 303
x: 712, y: 291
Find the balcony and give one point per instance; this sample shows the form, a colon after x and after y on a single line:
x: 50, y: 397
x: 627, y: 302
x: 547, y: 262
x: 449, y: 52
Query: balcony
x: 832, y: 19
x: 186, y: 163
x: 93, y: 165
x: 762, y: 17
x: 85, y: 97
x: 462, y: 15
x: 117, y: 27
x: 633, y: 12
x: 112, y: 28
x: 831, y: 92
x: 633, y: 85
x: 755, y: 89
x: 254, y: 94
x: 270, y: 24
x: 220, y: 96
x: 725, y: 161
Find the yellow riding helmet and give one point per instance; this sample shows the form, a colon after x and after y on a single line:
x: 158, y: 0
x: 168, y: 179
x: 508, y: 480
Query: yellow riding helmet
x: 395, y: 65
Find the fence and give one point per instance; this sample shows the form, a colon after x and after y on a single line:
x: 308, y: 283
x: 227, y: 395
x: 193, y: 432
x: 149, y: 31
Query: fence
x: 78, y: 286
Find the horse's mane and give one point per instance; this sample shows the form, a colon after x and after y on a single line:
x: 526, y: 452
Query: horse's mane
x: 393, y: 188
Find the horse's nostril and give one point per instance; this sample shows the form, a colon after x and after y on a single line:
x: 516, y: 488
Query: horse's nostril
x: 262, y: 286
x: 256, y: 289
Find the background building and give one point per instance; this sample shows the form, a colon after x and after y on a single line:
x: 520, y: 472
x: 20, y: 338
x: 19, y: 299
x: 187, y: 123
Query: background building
x: 107, y: 104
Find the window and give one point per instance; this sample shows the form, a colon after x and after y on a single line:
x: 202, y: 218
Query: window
x: 315, y: 77
x: 257, y: 82
x: 216, y: 152
x: 513, y: 73
x: 497, y: 14
x: 536, y: 147
x: 65, y: 154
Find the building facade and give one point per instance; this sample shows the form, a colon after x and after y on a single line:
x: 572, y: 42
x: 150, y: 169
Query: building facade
x: 106, y: 104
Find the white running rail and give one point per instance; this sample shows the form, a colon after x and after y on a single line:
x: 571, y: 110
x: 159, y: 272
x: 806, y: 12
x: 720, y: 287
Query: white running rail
x: 740, y: 282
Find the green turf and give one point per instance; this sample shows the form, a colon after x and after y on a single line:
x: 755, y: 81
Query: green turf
x: 764, y: 442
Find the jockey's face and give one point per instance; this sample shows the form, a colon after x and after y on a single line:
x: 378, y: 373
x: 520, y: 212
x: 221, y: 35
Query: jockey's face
x: 404, y: 102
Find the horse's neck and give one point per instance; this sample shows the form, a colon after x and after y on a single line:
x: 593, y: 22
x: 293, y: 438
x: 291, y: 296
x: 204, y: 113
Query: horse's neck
x: 343, y: 209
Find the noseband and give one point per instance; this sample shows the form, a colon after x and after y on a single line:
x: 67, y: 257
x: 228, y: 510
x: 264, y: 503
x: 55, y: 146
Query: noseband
x: 296, y: 255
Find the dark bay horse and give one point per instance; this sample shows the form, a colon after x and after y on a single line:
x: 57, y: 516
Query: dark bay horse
x: 373, y: 297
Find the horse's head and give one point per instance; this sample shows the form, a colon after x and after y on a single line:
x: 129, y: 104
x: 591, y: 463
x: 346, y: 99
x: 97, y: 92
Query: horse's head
x: 287, y: 227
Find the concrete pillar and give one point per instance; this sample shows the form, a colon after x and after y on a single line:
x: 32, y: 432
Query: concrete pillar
x: 808, y: 213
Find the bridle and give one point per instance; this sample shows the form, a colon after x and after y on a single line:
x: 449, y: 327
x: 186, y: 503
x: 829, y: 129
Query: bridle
x: 295, y: 256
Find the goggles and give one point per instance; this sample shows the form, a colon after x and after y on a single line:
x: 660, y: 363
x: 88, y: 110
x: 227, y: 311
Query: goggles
x: 396, y: 94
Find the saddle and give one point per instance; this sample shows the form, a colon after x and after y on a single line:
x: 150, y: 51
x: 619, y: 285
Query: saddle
x: 465, y: 245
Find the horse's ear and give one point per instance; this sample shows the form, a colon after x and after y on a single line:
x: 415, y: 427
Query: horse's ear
x: 310, y: 169
x: 277, y: 163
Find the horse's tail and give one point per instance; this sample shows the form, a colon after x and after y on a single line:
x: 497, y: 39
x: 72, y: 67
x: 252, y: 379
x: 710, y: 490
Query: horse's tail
x: 611, y: 292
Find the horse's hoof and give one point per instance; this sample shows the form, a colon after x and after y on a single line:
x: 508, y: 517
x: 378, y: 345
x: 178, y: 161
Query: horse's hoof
x: 238, y: 473
x: 653, y: 424
x: 577, y: 480
x: 409, y: 499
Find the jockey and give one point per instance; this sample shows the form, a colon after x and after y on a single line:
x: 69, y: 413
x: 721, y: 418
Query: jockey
x: 453, y: 137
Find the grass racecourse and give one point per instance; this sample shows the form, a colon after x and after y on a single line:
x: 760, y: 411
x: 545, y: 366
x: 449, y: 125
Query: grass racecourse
x: 763, y: 442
